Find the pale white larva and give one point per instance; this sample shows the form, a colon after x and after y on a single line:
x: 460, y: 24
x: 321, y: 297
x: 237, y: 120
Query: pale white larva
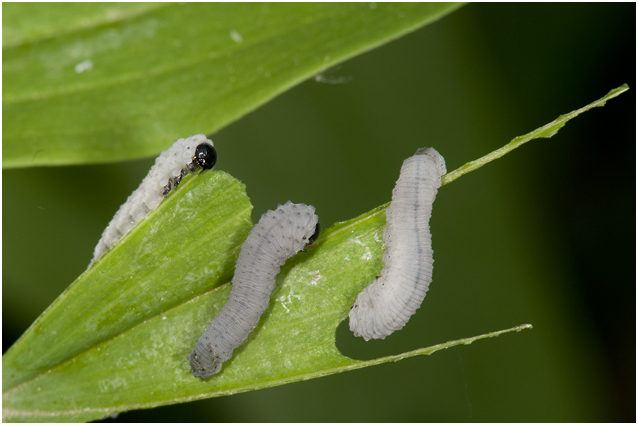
x: 386, y: 305
x: 279, y: 235
x: 183, y: 157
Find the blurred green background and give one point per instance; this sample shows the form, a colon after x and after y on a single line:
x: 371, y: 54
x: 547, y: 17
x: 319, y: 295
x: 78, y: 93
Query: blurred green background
x: 545, y: 235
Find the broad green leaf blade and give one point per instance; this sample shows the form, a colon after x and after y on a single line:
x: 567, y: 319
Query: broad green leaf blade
x: 186, y: 246
x: 125, y: 87
x: 146, y: 366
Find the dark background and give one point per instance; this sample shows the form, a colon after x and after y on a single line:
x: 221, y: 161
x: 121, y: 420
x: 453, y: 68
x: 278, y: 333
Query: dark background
x: 545, y: 235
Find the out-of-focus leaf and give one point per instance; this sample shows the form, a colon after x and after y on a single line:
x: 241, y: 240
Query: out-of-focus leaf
x: 119, y: 82
x: 29, y: 22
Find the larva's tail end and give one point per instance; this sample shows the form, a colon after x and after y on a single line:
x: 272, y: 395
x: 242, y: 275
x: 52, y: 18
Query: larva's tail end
x: 368, y: 318
x: 203, y: 368
x: 362, y: 333
x: 436, y: 157
x: 360, y: 317
x: 359, y: 335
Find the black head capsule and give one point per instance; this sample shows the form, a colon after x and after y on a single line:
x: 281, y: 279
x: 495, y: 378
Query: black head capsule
x: 313, y: 237
x: 205, y: 156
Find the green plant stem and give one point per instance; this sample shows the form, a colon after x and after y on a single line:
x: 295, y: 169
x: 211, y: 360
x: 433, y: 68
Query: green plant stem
x: 546, y: 131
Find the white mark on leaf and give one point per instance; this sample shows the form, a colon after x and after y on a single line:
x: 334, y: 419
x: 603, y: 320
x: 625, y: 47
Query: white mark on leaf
x: 236, y: 36
x: 316, y: 277
x: 287, y: 299
x: 108, y: 385
x: 84, y: 66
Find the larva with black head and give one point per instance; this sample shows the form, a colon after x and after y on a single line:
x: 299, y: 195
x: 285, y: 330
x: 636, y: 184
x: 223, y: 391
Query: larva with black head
x: 279, y: 235
x: 185, y: 156
x: 387, y: 304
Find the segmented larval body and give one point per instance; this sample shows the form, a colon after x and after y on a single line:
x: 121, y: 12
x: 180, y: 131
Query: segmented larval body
x: 279, y: 235
x: 387, y: 304
x: 183, y: 157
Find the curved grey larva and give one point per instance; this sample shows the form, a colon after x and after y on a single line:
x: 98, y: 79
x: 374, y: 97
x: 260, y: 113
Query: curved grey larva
x: 183, y: 157
x: 386, y: 305
x: 279, y: 235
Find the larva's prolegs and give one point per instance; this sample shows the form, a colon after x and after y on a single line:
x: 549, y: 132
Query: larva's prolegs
x: 387, y: 304
x: 279, y: 235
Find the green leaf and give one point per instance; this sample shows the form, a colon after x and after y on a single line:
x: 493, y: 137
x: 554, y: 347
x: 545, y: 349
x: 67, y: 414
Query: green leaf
x: 27, y: 23
x: 118, y: 82
x: 185, y: 247
x: 545, y: 131
x: 129, y: 350
x: 118, y: 338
